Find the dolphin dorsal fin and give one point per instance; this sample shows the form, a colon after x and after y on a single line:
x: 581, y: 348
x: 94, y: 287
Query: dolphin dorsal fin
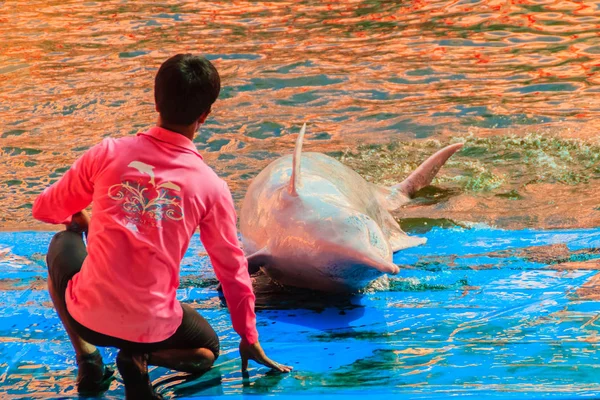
x: 295, y: 180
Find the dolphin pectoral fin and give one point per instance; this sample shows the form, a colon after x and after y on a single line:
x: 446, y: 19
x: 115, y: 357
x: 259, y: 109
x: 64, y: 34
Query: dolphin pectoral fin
x: 401, y: 193
x: 257, y: 260
x: 400, y: 241
x: 397, y: 238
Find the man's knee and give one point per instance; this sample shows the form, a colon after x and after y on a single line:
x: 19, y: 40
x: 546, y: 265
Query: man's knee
x: 66, y: 239
x: 209, y: 356
x: 66, y: 248
x: 61, y: 237
x: 54, y: 247
x: 215, y: 348
x: 193, y: 361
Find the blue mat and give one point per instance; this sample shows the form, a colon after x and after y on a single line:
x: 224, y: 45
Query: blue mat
x: 476, y: 312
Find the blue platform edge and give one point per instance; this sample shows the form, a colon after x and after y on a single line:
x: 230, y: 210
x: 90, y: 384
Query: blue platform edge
x: 475, y: 312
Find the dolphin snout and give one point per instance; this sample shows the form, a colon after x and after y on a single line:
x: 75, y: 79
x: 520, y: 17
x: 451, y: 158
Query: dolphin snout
x: 387, y: 267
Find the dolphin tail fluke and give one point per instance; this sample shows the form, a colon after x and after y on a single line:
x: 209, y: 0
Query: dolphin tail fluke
x: 257, y: 260
x: 295, y: 180
x: 425, y: 173
x: 400, y: 194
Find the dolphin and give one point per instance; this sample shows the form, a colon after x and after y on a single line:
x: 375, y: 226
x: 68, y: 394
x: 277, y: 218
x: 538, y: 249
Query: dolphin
x: 309, y: 221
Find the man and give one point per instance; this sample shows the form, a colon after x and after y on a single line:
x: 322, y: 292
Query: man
x: 149, y: 193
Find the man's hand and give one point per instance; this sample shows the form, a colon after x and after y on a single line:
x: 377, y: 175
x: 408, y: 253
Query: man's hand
x: 79, y: 223
x: 256, y: 353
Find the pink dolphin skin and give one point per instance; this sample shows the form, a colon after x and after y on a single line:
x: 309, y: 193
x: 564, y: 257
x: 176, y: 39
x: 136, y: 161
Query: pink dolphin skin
x: 311, y: 222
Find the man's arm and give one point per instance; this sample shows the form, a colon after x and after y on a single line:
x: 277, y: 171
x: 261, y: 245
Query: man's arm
x: 72, y: 192
x: 218, y: 232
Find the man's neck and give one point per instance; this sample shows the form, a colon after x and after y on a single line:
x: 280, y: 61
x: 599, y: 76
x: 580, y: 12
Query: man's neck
x: 187, y: 131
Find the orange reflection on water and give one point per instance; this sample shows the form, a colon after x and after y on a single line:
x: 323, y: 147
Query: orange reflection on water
x: 358, y: 71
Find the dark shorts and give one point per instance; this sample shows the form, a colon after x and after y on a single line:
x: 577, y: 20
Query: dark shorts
x: 65, y: 258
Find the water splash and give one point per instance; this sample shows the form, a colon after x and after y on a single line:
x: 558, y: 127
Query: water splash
x: 511, y: 181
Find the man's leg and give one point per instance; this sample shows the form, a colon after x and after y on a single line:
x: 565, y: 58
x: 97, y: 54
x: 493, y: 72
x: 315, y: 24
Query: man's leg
x: 193, y: 348
x: 193, y: 361
x: 81, y: 347
x: 65, y: 257
x: 134, y: 368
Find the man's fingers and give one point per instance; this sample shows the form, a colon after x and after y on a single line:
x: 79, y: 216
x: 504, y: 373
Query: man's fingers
x: 285, y: 368
x: 256, y: 354
x: 274, y: 365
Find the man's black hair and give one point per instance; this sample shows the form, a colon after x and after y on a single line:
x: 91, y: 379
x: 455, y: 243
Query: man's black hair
x: 185, y: 87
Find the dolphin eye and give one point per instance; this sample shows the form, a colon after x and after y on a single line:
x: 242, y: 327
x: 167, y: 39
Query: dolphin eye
x: 369, y: 228
x: 376, y: 240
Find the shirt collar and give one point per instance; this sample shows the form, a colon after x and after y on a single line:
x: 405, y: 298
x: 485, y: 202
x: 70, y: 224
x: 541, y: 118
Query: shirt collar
x: 174, y: 138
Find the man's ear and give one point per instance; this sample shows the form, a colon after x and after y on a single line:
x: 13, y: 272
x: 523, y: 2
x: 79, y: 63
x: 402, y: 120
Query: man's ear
x: 204, y: 116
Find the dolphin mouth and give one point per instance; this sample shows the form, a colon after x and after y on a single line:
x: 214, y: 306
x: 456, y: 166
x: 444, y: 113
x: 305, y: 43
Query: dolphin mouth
x: 376, y: 263
x: 357, y: 274
x: 386, y: 268
x: 349, y: 275
x: 379, y: 263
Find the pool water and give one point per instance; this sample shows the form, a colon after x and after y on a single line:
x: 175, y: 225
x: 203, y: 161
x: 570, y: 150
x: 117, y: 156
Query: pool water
x: 474, y: 312
x: 501, y: 302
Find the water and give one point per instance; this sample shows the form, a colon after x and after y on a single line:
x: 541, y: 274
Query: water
x: 480, y: 312
x: 476, y: 312
x: 359, y: 72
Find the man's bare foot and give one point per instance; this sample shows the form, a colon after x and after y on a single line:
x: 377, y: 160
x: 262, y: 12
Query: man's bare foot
x: 93, y: 377
x: 134, y: 371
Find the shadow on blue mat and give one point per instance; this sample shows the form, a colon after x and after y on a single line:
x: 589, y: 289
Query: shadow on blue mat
x: 475, y: 312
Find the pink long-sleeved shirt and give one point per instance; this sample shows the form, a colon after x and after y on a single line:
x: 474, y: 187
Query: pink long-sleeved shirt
x: 150, y: 192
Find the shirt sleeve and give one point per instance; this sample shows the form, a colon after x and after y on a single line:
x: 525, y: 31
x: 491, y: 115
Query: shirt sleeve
x: 72, y: 193
x: 218, y: 233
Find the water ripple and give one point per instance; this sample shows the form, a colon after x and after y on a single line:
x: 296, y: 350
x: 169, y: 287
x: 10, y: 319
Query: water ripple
x: 73, y: 72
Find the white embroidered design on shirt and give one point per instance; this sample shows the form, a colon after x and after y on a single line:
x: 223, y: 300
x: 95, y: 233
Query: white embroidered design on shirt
x: 147, y: 203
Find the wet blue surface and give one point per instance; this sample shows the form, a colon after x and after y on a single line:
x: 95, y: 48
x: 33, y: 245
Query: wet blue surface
x: 475, y: 312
